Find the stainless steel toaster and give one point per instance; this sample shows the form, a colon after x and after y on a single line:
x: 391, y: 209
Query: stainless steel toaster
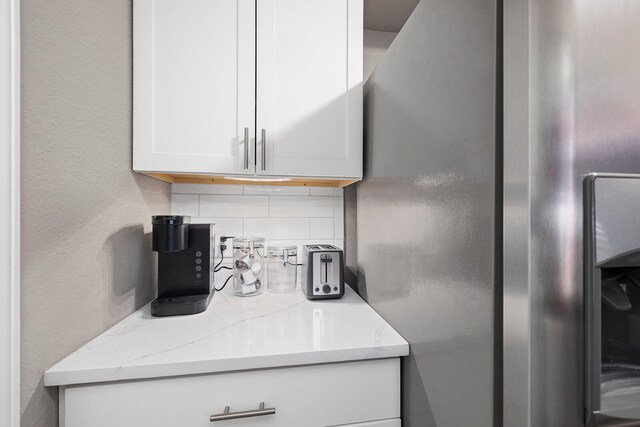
x: 322, y: 271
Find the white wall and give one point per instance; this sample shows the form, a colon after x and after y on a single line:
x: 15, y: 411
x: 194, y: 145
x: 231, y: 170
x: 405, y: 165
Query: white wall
x: 291, y: 215
x: 376, y: 44
x: 9, y: 214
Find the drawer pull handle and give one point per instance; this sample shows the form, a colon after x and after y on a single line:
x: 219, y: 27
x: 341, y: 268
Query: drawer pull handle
x: 227, y: 415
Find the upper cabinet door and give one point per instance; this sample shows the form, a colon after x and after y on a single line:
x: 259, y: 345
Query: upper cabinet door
x: 194, y: 86
x: 309, y: 88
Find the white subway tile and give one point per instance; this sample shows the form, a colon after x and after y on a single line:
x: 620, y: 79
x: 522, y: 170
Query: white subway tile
x: 184, y: 204
x: 276, y: 190
x: 299, y: 243
x: 205, y: 189
x: 321, y: 228
x: 234, y: 206
x: 289, y: 242
x: 281, y: 214
x: 296, y: 206
x: 338, y: 218
x: 321, y: 191
x: 281, y: 228
x: 228, y: 227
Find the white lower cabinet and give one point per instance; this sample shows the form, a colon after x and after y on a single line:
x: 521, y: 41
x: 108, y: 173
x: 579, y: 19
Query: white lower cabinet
x: 356, y: 394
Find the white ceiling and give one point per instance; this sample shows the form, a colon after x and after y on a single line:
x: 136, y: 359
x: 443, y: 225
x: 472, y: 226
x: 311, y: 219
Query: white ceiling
x: 387, y: 15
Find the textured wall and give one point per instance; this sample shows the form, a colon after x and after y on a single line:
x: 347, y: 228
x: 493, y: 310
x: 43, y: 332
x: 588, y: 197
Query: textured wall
x: 86, y: 261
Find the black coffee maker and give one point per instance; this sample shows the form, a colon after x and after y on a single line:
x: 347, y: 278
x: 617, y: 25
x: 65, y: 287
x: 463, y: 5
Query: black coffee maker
x: 185, y: 265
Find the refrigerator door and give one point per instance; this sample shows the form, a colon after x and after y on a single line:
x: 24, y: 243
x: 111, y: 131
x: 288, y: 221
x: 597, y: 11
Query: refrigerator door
x: 425, y: 213
x: 571, y: 107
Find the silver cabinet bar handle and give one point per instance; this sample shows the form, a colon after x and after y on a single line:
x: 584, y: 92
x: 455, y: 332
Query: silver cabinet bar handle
x: 246, y: 148
x: 264, y: 149
x: 227, y: 415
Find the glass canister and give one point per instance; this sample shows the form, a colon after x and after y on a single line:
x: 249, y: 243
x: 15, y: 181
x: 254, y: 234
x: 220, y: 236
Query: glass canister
x: 282, y: 268
x: 248, y: 266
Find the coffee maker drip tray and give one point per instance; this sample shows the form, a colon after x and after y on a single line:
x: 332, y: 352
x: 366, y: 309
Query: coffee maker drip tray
x: 180, y: 305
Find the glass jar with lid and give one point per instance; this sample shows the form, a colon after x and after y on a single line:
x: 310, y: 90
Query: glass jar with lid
x: 282, y: 268
x: 248, y: 262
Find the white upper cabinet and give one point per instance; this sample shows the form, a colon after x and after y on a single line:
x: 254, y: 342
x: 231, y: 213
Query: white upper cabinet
x: 285, y: 73
x: 194, y: 86
x: 309, y: 92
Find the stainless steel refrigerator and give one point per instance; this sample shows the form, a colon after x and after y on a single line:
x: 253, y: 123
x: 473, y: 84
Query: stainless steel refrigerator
x: 482, y: 122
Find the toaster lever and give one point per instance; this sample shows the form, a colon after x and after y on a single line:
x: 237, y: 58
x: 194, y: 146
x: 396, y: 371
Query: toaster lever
x: 325, y: 259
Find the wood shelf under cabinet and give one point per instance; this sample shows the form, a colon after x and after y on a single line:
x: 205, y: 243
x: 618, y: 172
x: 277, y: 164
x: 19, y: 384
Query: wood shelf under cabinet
x: 214, y: 179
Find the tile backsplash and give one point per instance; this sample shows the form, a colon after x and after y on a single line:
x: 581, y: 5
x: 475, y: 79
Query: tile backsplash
x: 280, y: 214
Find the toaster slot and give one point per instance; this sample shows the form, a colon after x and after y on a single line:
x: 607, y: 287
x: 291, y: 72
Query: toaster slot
x: 325, y: 268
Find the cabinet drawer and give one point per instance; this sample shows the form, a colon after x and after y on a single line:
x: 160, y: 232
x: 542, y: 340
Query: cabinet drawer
x: 315, y: 395
x: 383, y: 423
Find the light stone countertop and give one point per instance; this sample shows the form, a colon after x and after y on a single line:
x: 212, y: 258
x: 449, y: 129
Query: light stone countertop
x: 234, y: 334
